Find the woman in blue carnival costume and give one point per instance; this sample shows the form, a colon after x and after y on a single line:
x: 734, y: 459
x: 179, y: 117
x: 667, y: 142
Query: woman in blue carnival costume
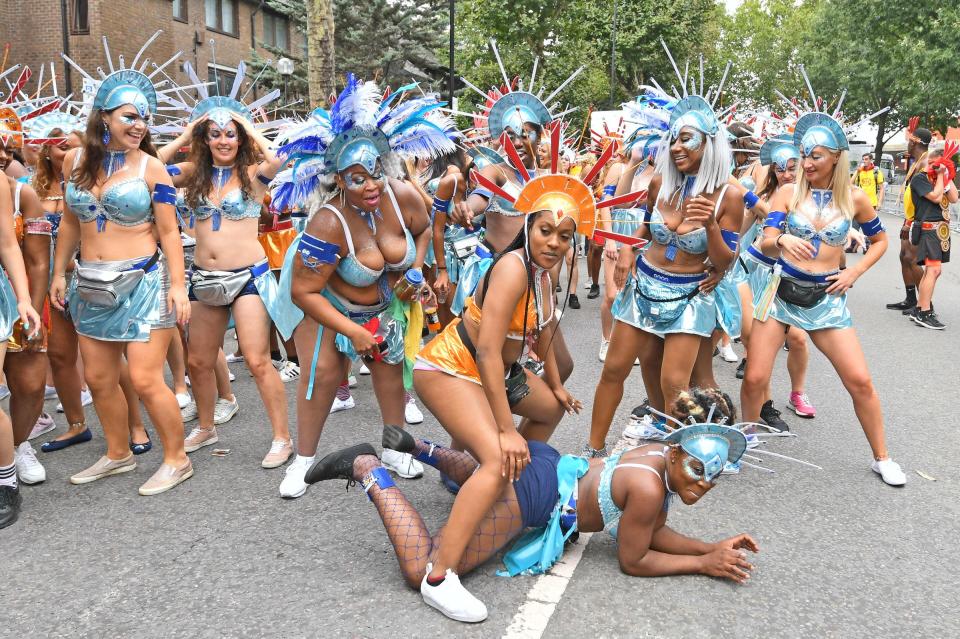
x: 629, y: 495
x: 127, y: 295
x: 664, y: 312
x: 224, y: 182
x: 808, y: 225
x: 781, y: 158
x: 517, y: 114
x: 15, y: 306
x: 357, y: 245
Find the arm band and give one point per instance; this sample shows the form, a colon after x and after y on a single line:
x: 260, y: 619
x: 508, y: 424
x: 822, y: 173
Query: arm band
x: 873, y: 227
x: 38, y: 226
x: 314, y: 252
x: 164, y: 194
x: 264, y: 180
x: 173, y: 170
x: 775, y: 219
x: 750, y: 199
x: 730, y: 238
x: 440, y: 206
x: 609, y: 190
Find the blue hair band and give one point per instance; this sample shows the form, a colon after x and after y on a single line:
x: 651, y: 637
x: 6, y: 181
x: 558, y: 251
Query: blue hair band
x: 873, y: 227
x: 164, y: 194
x: 750, y: 199
x: 775, y: 219
x: 730, y: 238
x: 314, y: 252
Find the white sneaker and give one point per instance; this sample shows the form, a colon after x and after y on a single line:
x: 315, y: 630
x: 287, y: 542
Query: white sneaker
x: 403, y: 464
x: 29, y: 468
x: 293, y: 485
x: 888, y: 470
x: 49, y: 392
x: 233, y: 358
x: 411, y: 413
x: 224, y: 410
x: 342, y: 404
x: 232, y: 378
x: 86, y: 398
x: 604, y: 345
x: 183, y: 399
x: 364, y: 370
x: 726, y: 352
x: 452, y: 599
x: 43, y: 426
x: 289, y: 372
x: 644, y: 428
x: 352, y: 381
x: 636, y: 362
x: 189, y: 412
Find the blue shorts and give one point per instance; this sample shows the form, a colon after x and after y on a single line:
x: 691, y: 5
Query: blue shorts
x: 537, y: 489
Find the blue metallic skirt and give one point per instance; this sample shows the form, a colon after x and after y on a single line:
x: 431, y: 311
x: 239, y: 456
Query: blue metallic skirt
x: 759, y: 267
x: 473, y: 270
x: 627, y: 221
x: 8, y: 307
x: 830, y: 312
x: 682, y: 309
x: 132, y: 320
x: 729, y: 311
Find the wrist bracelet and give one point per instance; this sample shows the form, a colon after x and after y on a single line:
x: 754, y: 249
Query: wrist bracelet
x: 777, y: 241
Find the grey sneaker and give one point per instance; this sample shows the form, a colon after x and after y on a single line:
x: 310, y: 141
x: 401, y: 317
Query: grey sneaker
x: 104, y: 468
x: 224, y: 410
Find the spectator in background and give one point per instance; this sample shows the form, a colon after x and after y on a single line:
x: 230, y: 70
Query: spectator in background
x: 917, y: 143
x: 869, y: 177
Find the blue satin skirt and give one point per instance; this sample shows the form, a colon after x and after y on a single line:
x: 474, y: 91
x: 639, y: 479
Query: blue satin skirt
x: 284, y: 313
x: 727, y: 296
x: 627, y: 221
x: 698, y: 317
x: 132, y: 320
x: 8, y: 307
x: 830, y: 312
x: 473, y: 270
x: 757, y: 274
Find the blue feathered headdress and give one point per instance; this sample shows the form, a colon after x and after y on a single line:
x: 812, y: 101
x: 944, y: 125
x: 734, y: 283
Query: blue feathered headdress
x: 362, y: 127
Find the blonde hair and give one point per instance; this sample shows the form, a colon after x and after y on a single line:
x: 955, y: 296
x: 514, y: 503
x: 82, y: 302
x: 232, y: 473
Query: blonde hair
x: 841, y: 186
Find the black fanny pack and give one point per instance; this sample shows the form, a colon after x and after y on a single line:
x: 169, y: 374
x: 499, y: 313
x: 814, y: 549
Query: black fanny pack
x: 802, y: 294
x: 516, y: 378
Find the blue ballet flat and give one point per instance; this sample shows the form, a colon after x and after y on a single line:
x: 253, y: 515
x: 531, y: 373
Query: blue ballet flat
x: 139, y: 449
x: 54, y: 445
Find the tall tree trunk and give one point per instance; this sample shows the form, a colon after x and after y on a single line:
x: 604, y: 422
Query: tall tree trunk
x: 881, y: 131
x: 320, y: 55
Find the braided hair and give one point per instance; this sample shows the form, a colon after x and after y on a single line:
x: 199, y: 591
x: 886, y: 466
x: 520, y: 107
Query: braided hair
x: 518, y: 242
x: 697, y: 402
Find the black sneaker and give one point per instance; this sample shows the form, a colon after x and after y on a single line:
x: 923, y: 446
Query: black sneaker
x: 594, y: 292
x: 642, y: 410
x: 558, y: 289
x: 913, y: 313
x: 338, y: 464
x: 573, y: 302
x: 742, y: 368
x: 398, y: 439
x: 771, y: 417
x: 905, y: 305
x: 928, y: 319
x: 10, y: 502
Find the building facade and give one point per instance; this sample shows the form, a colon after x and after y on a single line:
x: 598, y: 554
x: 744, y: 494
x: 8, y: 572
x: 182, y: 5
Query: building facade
x: 214, y: 35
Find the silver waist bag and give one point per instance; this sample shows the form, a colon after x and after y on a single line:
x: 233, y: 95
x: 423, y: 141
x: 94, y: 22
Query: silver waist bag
x: 465, y: 247
x: 108, y: 288
x: 218, y: 288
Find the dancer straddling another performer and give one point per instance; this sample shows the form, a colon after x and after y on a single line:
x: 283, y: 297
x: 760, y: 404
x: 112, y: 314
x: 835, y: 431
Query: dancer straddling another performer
x: 808, y: 226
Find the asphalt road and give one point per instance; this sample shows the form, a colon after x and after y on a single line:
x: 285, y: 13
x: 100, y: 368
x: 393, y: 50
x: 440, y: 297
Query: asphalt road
x: 843, y: 555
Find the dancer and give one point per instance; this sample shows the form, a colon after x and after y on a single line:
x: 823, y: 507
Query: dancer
x: 628, y: 495
x: 808, y: 226
x: 224, y: 184
x: 341, y: 271
x: 693, y: 213
x: 127, y: 295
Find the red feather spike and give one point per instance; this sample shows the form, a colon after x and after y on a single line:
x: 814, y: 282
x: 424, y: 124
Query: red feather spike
x: 622, y: 199
x: 25, y: 76
x: 913, y: 123
x: 491, y: 186
x: 507, y: 144
x: 950, y: 148
x: 386, y: 94
x: 47, y: 108
x: 601, y: 161
x: 555, y: 134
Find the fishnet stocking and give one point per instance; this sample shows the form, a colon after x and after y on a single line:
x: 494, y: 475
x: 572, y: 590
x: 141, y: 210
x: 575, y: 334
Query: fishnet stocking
x: 455, y: 464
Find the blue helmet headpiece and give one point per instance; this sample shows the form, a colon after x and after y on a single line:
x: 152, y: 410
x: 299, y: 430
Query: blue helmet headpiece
x: 127, y: 86
x: 715, y: 445
x: 819, y: 129
x: 220, y: 109
x: 484, y: 156
x: 361, y: 127
x: 695, y: 112
x: 43, y: 126
x: 779, y: 150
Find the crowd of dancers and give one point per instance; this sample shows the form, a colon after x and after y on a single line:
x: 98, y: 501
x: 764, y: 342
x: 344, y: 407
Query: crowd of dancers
x: 373, y: 231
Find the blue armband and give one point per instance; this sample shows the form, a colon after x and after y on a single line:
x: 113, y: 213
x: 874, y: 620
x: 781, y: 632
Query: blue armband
x: 164, y: 194
x: 173, y: 170
x: 873, y: 227
x: 264, y: 180
x: 314, y: 252
x: 730, y: 238
x: 750, y: 199
x: 380, y: 477
x: 609, y: 190
x: 482, y: 192
x: 440, y: 205
x: 775, y: 219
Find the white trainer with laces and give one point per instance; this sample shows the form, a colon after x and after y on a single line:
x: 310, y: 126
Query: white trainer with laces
x: 403, y: 464
x: 452, y: 599
x: 29, y: 468
x: 189, y: 412
x: 224, y: 410
x: 644, y: 428
x: 342, y: 404
x: 889, y: 471
x: 183, y: 399
x: 43, y: 426
x: 85, y: 400
x: 728, y: 354
x: 293, y: 485
x: 352, y: 381
x: 289, y: 372
x: 411, y: 413
x: 364, y: 370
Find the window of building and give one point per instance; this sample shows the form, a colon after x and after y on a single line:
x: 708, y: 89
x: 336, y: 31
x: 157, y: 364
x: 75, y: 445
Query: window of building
x: 221, y: 15
x: 222, y: 79
x: 81, y: 23
x: 276, y: 31
x: 180, y: 10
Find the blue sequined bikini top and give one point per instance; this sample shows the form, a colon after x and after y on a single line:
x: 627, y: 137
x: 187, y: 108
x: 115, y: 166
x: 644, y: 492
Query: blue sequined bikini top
x: 505, y: 207
x: 609, y: 511
x: 235, y: 205
x: 820, y: 206
x: 350, y: 269
x: 411, y: 255
x: 126, y: 202
x: 693, y: 242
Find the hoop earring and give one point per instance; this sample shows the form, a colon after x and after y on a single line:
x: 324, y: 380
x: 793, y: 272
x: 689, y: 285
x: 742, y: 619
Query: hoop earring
x: 106, y: 137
